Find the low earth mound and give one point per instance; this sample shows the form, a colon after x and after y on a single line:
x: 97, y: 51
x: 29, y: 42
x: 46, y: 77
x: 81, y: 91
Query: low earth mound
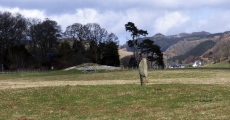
x: 92, y: 67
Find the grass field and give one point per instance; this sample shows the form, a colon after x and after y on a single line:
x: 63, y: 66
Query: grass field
x: 171, y: 94
x: 74, y: 75
x: 219, y: 65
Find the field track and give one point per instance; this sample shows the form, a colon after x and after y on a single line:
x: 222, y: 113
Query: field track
x: 10, y: 84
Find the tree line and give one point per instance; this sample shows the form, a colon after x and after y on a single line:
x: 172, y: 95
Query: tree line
x: 29, y: 43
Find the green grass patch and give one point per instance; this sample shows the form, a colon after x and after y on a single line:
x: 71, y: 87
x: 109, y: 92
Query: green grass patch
x: 182, y: 73
x: 220, y: 65
x: 75, y: 75
x: 172, y: 101
x: 48, y: 75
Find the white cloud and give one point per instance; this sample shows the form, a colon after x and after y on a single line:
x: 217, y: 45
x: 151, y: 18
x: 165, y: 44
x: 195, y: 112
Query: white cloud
x: 199, y: 25
x: 110, y: 20
x: 216, y: 20
x: 169, y: 21
x: 27, y: 13
x: 82, y: 16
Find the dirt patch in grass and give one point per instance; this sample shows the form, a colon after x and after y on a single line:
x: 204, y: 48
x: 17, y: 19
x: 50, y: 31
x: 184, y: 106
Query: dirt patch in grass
x: 28, y: 84
x: 74, y: 78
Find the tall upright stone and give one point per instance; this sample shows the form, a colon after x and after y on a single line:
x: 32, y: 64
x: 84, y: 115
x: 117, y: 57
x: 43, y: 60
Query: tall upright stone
x: 143, y: 71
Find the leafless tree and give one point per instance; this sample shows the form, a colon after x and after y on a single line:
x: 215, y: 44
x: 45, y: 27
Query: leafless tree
x: 44, y: 38
x: 12, y: 33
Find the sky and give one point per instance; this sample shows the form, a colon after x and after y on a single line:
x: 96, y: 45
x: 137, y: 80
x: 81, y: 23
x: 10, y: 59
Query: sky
x: 168, y: 17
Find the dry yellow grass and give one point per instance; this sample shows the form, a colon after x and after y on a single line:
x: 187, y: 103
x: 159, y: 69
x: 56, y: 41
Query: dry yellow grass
x: 207, y: 76
x: 123, y: 52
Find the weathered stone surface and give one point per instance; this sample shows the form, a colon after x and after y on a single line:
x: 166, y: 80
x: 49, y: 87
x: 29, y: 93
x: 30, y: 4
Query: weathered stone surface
x: 143, y: 67
x: 143, y: 71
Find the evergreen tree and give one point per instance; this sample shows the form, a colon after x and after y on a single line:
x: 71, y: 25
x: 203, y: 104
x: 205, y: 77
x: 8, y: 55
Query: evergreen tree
x: 152, y: 51
x: 134, y: 42
x: 110, y: 55
x: 144, y: 48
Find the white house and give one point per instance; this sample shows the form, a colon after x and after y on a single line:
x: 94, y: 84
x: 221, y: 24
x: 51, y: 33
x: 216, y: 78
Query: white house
x: 197, y: 63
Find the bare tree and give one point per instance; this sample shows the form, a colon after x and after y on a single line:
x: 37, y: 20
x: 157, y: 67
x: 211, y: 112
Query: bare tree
x: 12, y: 33
x: 96, y: 36
x: 31, y: 33
x: 112, y: 38
x: 44, y: 36
x: 77, y: 31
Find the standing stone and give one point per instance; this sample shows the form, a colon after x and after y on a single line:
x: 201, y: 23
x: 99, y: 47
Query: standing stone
x: 143, y: 71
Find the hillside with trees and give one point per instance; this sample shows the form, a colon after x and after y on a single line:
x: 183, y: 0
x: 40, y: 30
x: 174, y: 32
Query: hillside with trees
x: 221, y: 50
x: 185, y: 48
x: 194, y: 53
x: 28, y: 43
x: 210, y: 51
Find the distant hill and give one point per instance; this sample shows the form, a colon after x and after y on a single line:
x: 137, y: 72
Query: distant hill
x: 166, y: 41
x: 221, y: 51
x: 187, y: 47
x: 183, y: 47
x: 197, y: 51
